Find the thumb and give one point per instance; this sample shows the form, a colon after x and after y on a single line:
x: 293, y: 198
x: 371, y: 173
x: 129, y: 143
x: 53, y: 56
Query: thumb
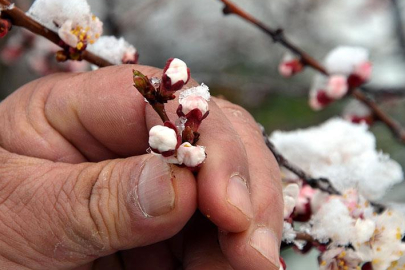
x: 58, y: 215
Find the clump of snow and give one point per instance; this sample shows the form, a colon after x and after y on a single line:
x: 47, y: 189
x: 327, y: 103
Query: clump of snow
x: 343, y: 152
x: 333, y: 221
x: 344, y: 59
x: 202, y: 91
x: 72, y: 20
x: 112, y: 49
x: 288, y: 233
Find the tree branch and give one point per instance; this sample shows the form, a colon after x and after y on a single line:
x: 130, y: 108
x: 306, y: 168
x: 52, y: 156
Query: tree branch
x: 19, y: 18
x: 278, y: 36
x: 319, y: 183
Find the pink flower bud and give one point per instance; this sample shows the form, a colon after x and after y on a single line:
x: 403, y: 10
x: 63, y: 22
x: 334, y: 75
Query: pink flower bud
x: 5, y: 26
x: 319, y: 100
x: 192, y: 102
x: 290, y: 66
x: 175, y: 74
x: 337, y: 86
x: 162, y: 139
x: 190, y: 156
x: 364, y: 70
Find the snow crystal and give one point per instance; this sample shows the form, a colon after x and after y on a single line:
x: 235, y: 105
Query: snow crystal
x: 344, y: 59
x: 111, y: 48
x: 343, y: 152
x: 201, y: 90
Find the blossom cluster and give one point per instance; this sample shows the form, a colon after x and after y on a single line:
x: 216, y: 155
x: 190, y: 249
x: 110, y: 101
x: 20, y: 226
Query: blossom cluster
x: 72, y: 20
x: 348, y: 68
x: 348, y: 230
x: 176, y: 141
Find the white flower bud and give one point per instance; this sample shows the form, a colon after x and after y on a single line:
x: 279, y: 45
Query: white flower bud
x: 177, y: 71
x: 162, y: 138
x: 191, y: 156
x: 192, y: 102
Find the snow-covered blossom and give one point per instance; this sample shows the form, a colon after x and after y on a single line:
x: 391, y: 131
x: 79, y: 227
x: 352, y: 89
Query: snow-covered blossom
x: 290, y: 65
x: 201, y: 90
x: 72, y: 20
x: 339, y: 259
x: 162, y: 139
x: 290, y: 196
x: 333, y: 221
x: 194, y: 102
x: 349, y: 67
x: 191, y: 156
x: 115, y: 50
x: 346, y: 60
x: 195, y: 98
x: 343, y: 152
x: 175, y: 74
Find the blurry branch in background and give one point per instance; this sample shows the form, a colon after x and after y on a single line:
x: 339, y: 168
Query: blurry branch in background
x: 19, y: 18
x: 277, y: 36
x: 398, y: 24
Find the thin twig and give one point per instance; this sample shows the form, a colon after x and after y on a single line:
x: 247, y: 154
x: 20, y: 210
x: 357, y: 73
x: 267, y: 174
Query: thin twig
x: 19, y: 18
x: 278, y: 36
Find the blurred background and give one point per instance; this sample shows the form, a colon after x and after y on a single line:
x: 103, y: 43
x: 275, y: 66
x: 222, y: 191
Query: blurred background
x: 240, y: 62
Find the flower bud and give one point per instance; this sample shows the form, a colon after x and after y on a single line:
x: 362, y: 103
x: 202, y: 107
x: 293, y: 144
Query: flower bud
x: 337, y: 87
x: 5, y: 26
x: 191, y: 156
x: 290, y: 66
x: 192, y: 102
x: 175, y: 74
x: 144, y: 86
x: 162, y: 139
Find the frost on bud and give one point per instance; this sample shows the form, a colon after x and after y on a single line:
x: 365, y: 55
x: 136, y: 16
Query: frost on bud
x: 5, y: 26
x: 337, y: 87
x: 163, y: 140
x: 191, y: 156
x: 194, y: 102
x: 290, y: 66
x: 175, y: 74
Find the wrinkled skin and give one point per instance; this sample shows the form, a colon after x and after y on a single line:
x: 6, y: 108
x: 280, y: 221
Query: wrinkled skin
x: 71, y: 157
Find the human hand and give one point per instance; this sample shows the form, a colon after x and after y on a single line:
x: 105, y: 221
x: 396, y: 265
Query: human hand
x: 76, y: 185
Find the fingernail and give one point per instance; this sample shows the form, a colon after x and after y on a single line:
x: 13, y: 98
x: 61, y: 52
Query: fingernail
x: 155, y: 192
x: 238, y: 195
x: 266, y: 243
